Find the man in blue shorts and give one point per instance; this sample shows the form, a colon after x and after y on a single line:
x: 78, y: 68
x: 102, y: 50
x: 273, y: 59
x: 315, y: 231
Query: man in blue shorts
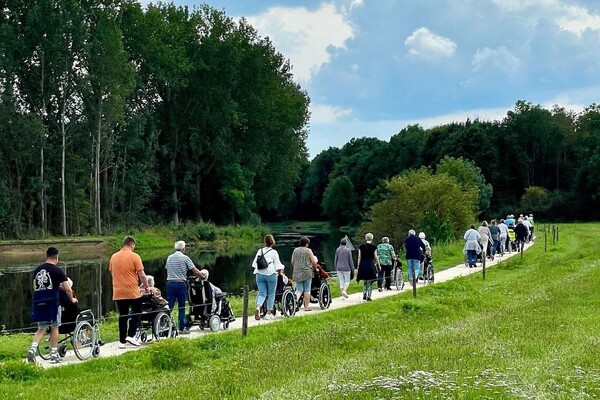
x: 48, y: 279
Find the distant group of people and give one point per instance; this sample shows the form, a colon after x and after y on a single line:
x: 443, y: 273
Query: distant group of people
x: 376, y: 262
x: 497, y: 238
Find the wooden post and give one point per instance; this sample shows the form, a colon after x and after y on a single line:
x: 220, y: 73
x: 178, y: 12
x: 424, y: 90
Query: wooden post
x: 414, y: 280
x: 483, y: 264
x: 553, y: 235
x: 557, y: 233
x: 545, y: 242
x: 245, y: 312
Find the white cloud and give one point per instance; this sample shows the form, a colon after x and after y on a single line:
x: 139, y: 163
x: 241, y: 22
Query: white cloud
x: 323, y: 113
x: 425, y: 44
x: 356, y: 3
x: 306, y: 37
x: 500, y: 59
x: 575, y: 19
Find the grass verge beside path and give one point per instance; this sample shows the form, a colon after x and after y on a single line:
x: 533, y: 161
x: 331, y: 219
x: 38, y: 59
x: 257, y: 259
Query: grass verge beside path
x: 528, y: 331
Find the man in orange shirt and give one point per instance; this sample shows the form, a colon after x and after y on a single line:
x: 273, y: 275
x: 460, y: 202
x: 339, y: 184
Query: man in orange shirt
x: 126, y: 267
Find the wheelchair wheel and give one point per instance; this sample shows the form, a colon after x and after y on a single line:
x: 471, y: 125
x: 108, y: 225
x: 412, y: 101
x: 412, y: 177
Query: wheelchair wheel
x: 84, y: 340
x: 44, y: 348
x: 143, y: 336
x: 214, y: 322
x: 225, y: 325
x: 324, y: 296
x: 398, y: 279
x: 62, y: 350
x: 96, y: 352
x: 162, y: 326
x: 288, y: 303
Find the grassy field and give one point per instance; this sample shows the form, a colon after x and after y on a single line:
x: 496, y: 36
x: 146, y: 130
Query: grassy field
x: 528, y: 331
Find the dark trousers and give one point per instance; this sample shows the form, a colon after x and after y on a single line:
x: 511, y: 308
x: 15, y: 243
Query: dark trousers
x: 177, y: 291
x: 135, y: 305
x: 384, y: 273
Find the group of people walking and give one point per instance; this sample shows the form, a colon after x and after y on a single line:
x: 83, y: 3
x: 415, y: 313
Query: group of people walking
x: 497, y: 238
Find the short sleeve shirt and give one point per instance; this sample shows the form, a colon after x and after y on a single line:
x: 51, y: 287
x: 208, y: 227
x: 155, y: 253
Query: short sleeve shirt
x: 384, y: 252
x: 46, y: 281
x: 124, y: 267
x: 178, y: 265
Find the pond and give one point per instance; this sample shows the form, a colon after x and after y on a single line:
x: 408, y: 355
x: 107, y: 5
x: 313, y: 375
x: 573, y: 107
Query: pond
x: 230, y: 270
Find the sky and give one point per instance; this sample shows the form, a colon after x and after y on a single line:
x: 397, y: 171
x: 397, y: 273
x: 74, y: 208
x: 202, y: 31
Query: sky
x: 372, y: 67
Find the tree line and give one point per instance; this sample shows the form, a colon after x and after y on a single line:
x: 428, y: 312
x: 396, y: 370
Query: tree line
x: 113, y: 115
x: 536, y: 160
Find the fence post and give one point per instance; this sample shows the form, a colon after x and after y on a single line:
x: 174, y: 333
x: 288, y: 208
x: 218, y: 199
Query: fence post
x: 545, y: 242
x: 553, y: 235
x: 557, y: 233
x: 483, y: 264
x: 414, y: 279
x: 245, y: 312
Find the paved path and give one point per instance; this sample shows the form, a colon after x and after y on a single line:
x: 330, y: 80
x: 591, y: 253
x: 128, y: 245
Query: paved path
x: 111, y: 349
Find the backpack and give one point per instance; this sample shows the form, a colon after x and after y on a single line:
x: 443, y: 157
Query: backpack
x: 261, y: 261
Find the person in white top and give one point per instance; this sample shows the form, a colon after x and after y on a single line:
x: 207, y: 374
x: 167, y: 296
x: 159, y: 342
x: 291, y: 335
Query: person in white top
x: 472, y: 247
x: 503, y: 236
x: 266, y: 276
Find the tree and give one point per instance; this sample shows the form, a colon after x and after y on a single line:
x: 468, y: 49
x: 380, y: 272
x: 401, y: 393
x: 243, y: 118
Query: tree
x: 414, y: 195
x: 535, y: 200
x: 339, y: 202
x: 468, y: 175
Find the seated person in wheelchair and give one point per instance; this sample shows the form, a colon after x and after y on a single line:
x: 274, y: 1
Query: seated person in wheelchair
x: 156, y: 295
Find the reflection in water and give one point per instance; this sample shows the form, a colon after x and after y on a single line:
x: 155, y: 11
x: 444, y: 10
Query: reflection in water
x: 93, y: 285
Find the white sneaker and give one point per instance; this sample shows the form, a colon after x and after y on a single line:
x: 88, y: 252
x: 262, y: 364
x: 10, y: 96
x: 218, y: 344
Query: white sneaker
x: 31, y: 356
x: 122, y: 345
x: 345, y: 295
x: 133, y: 341
x: 269, y: 317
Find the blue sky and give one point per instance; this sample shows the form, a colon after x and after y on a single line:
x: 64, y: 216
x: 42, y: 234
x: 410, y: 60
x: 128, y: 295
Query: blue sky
x: 373, y: 66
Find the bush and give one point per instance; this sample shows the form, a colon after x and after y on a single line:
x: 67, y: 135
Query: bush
x: 17, y: 370
x: 194, y: 232
x: 170, y: 355
x: 420, y: 200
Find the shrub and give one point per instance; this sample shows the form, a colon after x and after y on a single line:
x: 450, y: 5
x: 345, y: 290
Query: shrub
x: 17, y: 370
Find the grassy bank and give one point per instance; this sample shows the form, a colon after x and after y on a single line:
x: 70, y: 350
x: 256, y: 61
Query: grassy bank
x: 528, y: 331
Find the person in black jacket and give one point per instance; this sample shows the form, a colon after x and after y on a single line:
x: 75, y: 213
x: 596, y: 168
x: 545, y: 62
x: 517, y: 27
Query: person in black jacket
x: 414, y: 248
x: 521, y: 233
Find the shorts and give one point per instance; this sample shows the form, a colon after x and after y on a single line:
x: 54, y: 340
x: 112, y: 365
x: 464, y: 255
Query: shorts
x: 304, y: 286
x: 56, y: 324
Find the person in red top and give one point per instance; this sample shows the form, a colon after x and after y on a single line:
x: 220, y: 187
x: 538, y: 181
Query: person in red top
x: 126, y: 269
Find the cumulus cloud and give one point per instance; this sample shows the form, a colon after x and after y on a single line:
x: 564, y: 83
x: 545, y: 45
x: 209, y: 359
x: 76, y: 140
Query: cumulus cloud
x: 578, y: 19
x: 500, y: 59
x: 423, y: 43
x: 324, y: 113
x: 307, y: 38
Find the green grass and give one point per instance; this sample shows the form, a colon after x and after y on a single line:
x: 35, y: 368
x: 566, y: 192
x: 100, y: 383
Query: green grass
x: 528, y: 331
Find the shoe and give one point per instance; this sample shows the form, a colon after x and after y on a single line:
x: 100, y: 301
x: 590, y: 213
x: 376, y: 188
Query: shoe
x: 133, y: 341
x: 345, y: 295
x: 31, y: 356
x: 184, y: 331
x: 257, y: 314
x: 122, y: 345
x: 269, y: 317
x: 369, y: 299
x: 55, y: 359
x: 380, y: 290
x: 364, y: 296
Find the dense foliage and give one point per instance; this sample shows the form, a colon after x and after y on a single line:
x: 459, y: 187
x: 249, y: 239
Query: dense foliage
x: 116, y: 115
x: 535, y: 160
x: 435, y: 203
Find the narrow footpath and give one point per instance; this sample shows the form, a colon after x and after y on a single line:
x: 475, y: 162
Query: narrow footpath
x: 111, y: 349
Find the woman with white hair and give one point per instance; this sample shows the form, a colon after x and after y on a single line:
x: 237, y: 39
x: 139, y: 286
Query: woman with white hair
x: 387, y: 256
x: 368, y: 265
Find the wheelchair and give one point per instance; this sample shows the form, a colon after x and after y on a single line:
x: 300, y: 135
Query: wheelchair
x: 319, y: 288
x: 207, y: 309
x: 397, y: 275
x: 427, y: 272
x: 157, y: 319
x: 285, y: 299
x: 82, y: 332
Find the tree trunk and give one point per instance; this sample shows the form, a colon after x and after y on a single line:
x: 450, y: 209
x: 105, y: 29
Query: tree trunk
x: 42, y: 192
x: 97, y: 219
x: 62, y: 169
x: 198, y: 211
x: 174, y: 192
